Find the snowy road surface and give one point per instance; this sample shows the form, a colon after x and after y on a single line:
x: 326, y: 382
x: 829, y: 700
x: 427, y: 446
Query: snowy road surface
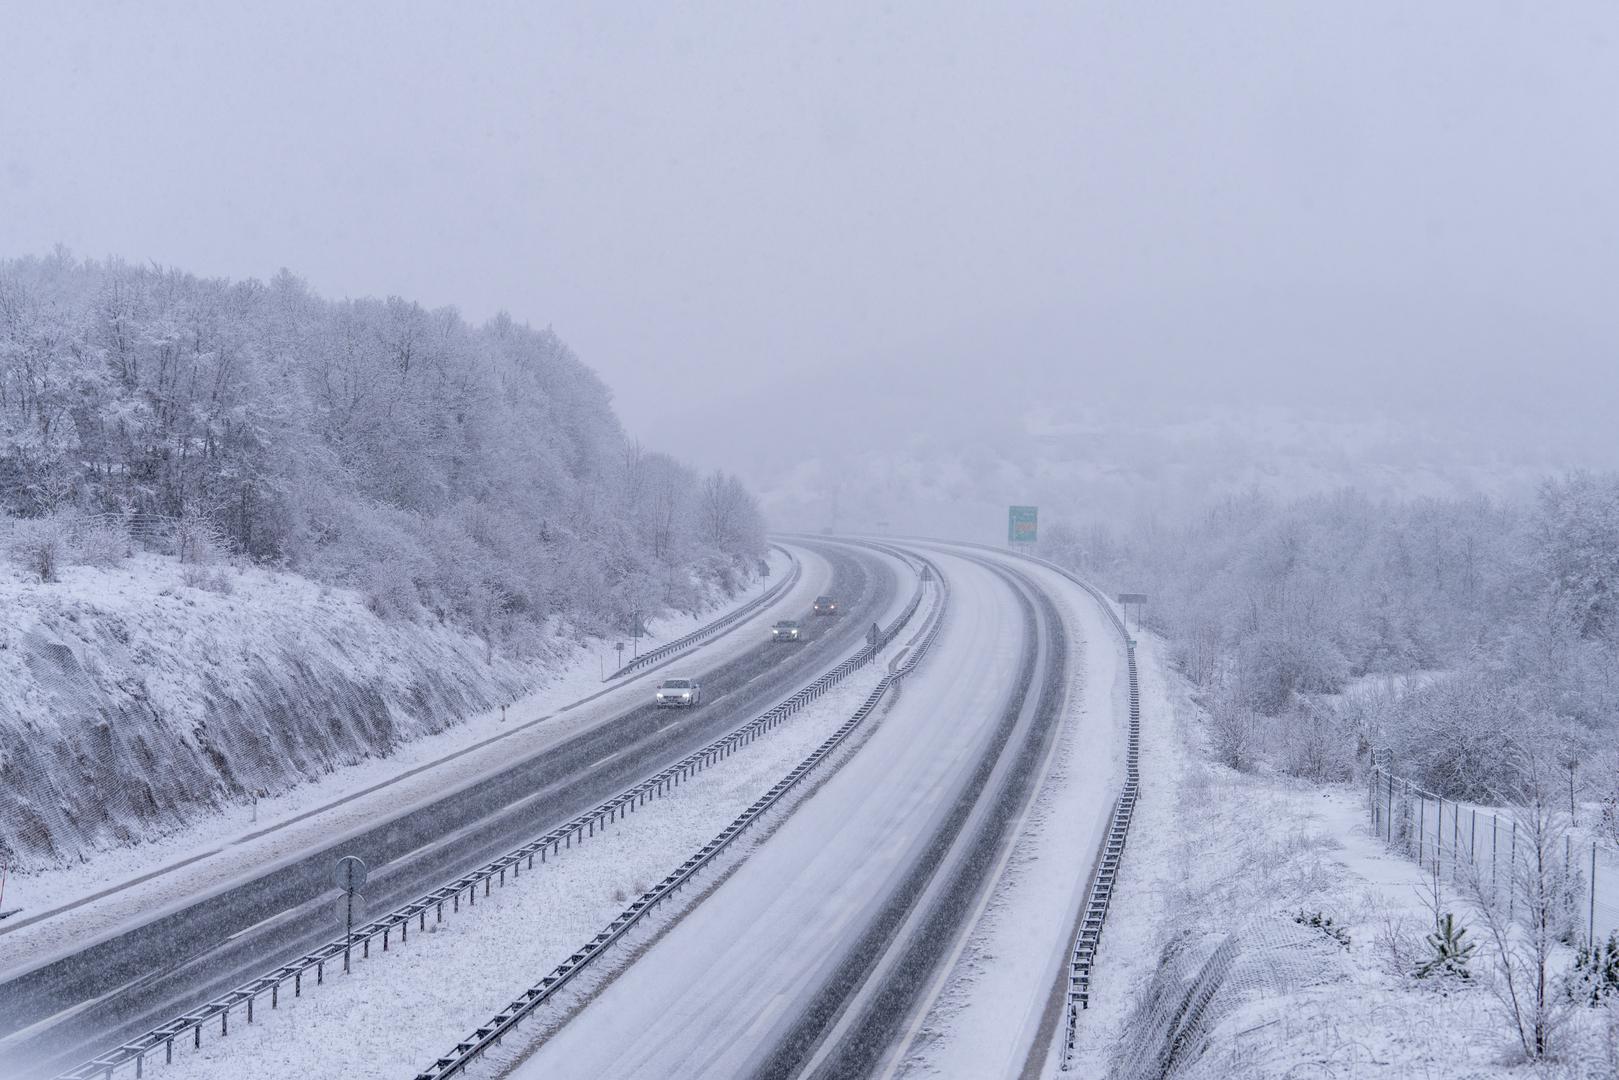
x: 999, y: 1007
x: 723, y: 988
x: 233, y: 934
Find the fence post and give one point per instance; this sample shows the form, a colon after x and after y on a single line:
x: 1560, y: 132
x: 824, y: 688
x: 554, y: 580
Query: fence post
x: 1372, y: 785
x: 1439, y: 837
x: 1591, y: 919
x: 1455, y: 840
x: 1422, y: 824
x: 1512, y: 874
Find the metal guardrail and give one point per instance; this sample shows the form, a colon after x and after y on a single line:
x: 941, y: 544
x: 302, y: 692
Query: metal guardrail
x: 703, y: 633
x: 498, y: 1027
x: 243, y: 999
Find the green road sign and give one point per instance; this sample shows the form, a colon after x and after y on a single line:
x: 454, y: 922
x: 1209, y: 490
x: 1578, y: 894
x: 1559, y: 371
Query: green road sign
x: 1021, y: 524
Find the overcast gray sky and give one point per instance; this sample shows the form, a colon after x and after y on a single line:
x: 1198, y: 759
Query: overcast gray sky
x: 717, y: 204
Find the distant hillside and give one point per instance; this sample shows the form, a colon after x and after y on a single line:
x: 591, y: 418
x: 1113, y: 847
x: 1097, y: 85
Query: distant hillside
x: 475, y: 475
x: 1088, y: 463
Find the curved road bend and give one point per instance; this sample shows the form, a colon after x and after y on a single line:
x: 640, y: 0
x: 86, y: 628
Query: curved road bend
x: 833, y: 925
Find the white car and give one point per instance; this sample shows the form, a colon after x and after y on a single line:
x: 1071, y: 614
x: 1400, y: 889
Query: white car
x: 786, y: 630
x: 679, y: 693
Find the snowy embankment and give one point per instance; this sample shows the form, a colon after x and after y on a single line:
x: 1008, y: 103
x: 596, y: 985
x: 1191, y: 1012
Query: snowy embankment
x: 1218, y: 859
x: 133, y: 704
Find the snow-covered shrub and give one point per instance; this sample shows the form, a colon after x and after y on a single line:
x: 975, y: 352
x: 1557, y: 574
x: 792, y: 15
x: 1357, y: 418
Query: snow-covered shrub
x: 1608, y: 818
x: 199, y: 538
x: 1397, y: 943
x: 1233, y: 733
x: 1521, y: 921
x: 1594, y: 980
x: 1461, y: 736
x: 212, y: 579
x: 1317, y: 920
x: 1315, y: 743
x: 101, y: 543
x: 41, y: 546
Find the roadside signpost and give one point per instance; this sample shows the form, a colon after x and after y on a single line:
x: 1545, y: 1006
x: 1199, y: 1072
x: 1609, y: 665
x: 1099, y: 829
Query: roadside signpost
x: 349, y: 875
x: 1136, y: 598
x: 1022, y: 525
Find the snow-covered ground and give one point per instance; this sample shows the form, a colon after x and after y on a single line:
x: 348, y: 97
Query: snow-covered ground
x: 127, y: 886
x: 708, y: 997
x: 1212, y: 851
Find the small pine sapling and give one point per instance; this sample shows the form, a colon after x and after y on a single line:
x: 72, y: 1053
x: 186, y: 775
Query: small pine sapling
x: 1450, y: 951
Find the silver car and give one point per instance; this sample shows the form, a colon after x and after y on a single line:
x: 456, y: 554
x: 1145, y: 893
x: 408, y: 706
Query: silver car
x: 786, y: 630
x: 679, y: 693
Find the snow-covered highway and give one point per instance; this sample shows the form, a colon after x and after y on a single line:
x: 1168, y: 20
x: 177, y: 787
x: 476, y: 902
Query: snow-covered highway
x: 842, y: 937
x: 61, y: 1010
x: 848, y: 937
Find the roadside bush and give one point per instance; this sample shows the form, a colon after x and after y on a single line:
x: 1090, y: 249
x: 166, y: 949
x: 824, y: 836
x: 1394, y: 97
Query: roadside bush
x: 1325, y: 923
x: 1233, y: 732
x: 39, y: 545
x: 103, y: 544
x: 212, y: 579
x: 1594, y: 980
x: 200, y: 539
x: 1608, y: 816
x: 1316, y: 744
x: 1460, y: 736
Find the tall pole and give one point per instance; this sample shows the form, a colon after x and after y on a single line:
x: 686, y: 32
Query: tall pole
x: 1591, y: 919
x: 348, y: 927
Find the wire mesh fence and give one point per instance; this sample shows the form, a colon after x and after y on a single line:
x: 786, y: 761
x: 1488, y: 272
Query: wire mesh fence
x: 1460, y: 843
x: 1203, y: 979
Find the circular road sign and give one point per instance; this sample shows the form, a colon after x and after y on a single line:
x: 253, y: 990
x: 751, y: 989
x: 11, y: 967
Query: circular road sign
x: 349, y: 873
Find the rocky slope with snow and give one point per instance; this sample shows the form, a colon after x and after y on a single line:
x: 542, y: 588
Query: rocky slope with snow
x: 130, y: 702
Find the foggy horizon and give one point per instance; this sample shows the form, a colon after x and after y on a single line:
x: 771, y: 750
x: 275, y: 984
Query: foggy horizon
x: 1382, y: 215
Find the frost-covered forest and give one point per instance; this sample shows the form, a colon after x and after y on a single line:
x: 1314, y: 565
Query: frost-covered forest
x: 473, y: 475
x: 1456, y: 636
